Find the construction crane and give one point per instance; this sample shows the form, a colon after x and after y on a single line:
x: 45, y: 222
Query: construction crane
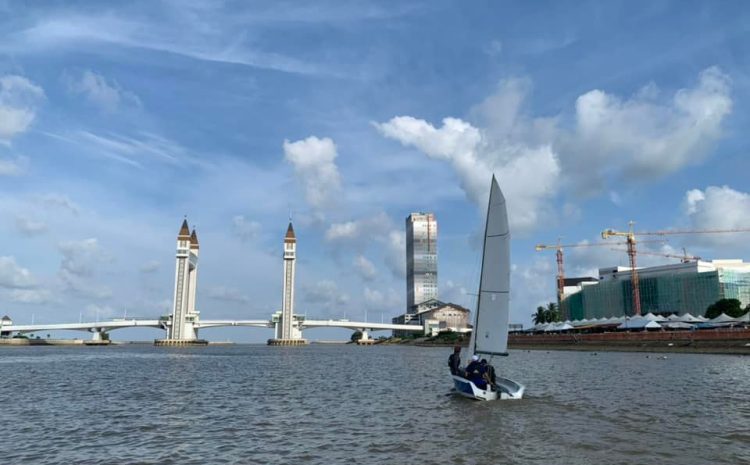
x: 560, y: 261
x: 684, y: 258
x: 631, y: 250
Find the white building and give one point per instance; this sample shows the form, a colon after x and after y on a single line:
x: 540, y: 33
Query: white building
x: 435, y: 316
x: 421, y: 259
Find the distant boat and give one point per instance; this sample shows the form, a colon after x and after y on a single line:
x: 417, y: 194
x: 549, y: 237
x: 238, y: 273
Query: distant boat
x: 490, y: 334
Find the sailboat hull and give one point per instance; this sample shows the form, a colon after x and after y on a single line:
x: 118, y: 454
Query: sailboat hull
x: 506, y: 389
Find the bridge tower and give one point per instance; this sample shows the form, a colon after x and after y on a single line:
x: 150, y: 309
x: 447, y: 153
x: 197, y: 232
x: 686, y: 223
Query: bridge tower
x: 184, y: 314
x: 287, y: 331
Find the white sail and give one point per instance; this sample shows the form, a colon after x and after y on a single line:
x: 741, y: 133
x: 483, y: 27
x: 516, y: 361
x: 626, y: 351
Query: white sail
x: 490, y: 333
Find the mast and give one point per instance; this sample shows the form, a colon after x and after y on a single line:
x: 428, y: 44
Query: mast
x: 473, y: 340
x: 490, y: 333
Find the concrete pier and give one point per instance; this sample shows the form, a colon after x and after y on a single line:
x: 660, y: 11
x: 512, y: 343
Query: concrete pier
x: 287, y: 342
x: 180, y: 342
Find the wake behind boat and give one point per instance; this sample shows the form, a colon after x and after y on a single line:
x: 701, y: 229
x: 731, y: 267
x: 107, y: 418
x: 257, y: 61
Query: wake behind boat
x: 489, y: 336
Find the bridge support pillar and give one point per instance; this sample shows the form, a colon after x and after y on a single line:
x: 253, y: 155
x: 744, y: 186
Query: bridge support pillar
x: 365, y: 339
x: 98, y: 337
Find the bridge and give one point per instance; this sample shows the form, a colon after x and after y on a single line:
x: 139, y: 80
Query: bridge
x: 100, y: 328
x: 184, y: 322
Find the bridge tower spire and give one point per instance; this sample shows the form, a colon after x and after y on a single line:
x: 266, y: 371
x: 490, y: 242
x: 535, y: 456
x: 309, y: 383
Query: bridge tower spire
x: 287, y: 332
x: 184, y: 314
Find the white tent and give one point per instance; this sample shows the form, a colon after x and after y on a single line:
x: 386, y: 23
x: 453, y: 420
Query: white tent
x: 688, y: 318
x: 673, y: 317
x: 561, y: 327
x: 744, y: 318
x: 583, y: 322
x: 676, y: 325
x: 650, y: 316
x: 723, y: 318
x: 639, y: 323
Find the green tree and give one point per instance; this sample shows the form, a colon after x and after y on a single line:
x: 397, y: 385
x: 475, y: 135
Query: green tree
x: 731, y: 307
x: 549, y: 314
x: 356, y: 336
x: 540, y: 316
x: 552, y: 313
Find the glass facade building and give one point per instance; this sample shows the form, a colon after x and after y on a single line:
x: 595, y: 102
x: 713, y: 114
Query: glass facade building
x: 421, y: 259
x: 680, y: 289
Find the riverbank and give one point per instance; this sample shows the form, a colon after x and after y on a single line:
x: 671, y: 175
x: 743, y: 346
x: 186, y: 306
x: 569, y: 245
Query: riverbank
x: 732, y: 341
x: 19, y: 341
x: 729, y: 341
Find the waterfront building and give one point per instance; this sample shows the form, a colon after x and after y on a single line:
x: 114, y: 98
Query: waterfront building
x: 5, y: 321
x: 184, y: 312
x: 435, y: 316
x: 421, y: 260
x: 677, y: 288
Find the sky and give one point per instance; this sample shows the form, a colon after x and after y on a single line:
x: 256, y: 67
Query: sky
x: 118, y: 120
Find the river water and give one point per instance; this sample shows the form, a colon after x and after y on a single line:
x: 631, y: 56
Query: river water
x: 331, y: 404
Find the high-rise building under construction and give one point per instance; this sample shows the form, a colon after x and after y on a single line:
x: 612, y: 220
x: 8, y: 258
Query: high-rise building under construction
x: 421, y: 259
x: 678, y: 288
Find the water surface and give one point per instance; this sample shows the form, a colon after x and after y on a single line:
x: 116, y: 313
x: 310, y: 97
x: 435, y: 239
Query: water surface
x: 347, y: 404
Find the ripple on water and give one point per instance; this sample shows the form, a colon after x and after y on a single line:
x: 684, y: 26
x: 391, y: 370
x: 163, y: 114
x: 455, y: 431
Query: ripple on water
x: 336, y: 404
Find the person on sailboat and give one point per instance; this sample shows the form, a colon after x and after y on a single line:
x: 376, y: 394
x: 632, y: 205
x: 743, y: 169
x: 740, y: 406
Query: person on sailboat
x: 488, y: 372
x: 475, y: 372
x: 454, y: 361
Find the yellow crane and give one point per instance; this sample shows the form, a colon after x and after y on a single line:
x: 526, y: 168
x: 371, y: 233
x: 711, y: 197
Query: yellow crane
x: 558, y: 248
x: 630, y: 235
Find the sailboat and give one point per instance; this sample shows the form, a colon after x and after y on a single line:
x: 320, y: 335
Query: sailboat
x: 490, y: 334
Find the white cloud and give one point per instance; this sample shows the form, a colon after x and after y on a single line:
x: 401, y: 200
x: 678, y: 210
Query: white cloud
x: 609, y: 139
x: 13, y: 166
x: 245, y: 229
x: 81, y: 257
x: 213, y: 38
x: 150, y: 267
x: 387, y: 301
x: 83, y: 285
x: 227, y: 294
x: 373, y: 230
x: 721, y: 208
x: 19, y: 98
x: 313, y: 160
x: 99, y: 312
x: 395, y: 253
x: 643, y: 136
x: 14, y: 276
x: 133, y: 150
x: 527, y: 175
x: 108, y: 96
x: 364, y: 267
x: 30, y: 296
x: 58, y: 202
x: 30, y: 227
x: 325, y: 293
x: 80, y: 260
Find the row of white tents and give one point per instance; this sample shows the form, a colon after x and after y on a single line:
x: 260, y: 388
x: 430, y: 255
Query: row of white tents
x: 648, y: 321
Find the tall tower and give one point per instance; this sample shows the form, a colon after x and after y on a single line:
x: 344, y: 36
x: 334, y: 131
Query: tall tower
x: 421, y: 259
x: 288, y: 327
x: 287, y: 303
x: 185, y: 284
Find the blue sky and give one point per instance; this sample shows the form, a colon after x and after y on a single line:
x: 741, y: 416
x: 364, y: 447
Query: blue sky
x: 115, y: 121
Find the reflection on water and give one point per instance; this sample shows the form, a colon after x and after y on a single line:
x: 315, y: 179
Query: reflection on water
x: 342, y: 404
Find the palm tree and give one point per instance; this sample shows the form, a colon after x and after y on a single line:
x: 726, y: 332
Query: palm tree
x: 540, y: 316
x: 551, y: 313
